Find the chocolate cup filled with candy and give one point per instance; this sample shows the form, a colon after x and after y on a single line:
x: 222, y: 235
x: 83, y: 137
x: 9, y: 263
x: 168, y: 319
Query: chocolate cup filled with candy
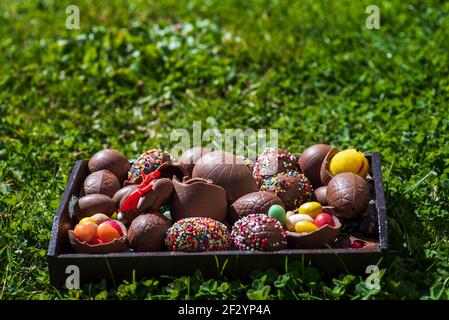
x: 324, y: 237
x: 114, y: 246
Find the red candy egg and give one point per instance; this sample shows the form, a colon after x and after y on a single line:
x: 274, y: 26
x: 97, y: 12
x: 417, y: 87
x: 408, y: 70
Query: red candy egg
x: 323, y: 219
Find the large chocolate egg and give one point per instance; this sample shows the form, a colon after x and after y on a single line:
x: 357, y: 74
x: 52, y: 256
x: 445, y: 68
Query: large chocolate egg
x: 94, y: 203
x: 198, y: 197
x: 311, y: 160
x: 227, y: 171
x: 147, y: 232
x: 111, y: 160
x: 273, y: 161
x: 190, y: 157
x: 254, y: 202
x: 293, y: 188
x: 349, y: 194
x: 103, y: 182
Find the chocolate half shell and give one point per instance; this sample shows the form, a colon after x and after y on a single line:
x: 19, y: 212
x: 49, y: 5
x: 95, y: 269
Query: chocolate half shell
x: 115, y: 246
x: 198, y: 197
x: 311, y: 160
x: 103, y: 182
x: 94, y: 203
x: 111, y: 160
x: 147, y: 232
x: 349, y: 194
x: 190, y: 157
x: 325, y: 174
x: 227, y: 171
x: 254, y: 202
x: 321, y: 238
x: 169, y: 170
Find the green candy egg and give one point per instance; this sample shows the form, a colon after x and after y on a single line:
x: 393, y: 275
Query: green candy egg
x: 276, y: 211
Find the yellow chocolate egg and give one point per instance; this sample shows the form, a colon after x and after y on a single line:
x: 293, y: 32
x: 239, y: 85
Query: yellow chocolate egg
x: 87, y: 219
x: 349, y: 160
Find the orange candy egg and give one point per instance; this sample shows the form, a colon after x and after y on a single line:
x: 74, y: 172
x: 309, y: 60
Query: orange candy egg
x: 86, y: 231
x: 107, y: 232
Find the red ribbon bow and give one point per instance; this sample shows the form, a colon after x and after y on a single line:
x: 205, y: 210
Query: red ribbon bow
x: 146, y: 186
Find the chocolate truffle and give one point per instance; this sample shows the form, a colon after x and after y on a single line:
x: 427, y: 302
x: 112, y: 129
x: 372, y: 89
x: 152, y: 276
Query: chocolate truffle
x: 111, y: 160
x: 148, y: 162
x: 320, y: 195
x: 103, y: 181
x: 198, y: 197
x: 293, y: 188
x: 349, y: 194
x: 227, y: 171
x: 259, y: 232
x: 254, y: 202
x: 273, y: 161
x: 123, y: 193
x: 311, y: 160
x: 152, y: 200
x: 198, y: 234
x: 146, y: 233
x: 92, y: 204
x: 189, y: 158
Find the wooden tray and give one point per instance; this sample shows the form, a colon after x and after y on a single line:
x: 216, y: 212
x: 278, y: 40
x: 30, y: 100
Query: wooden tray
x: 234, y: 264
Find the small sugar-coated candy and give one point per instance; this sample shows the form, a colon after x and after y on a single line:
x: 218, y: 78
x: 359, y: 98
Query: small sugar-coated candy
x: 323, y: 219
x: 276, y: 211
x: 295, y: 218
x: 311, y: 208
x: 305, y: 226
x: 86, y: 231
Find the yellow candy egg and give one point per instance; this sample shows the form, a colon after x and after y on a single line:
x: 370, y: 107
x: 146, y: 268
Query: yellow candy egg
x: 295, y: 218
x: 349, y: 160
x: 311, y: 208
x: 305, y: 226
x: 87, y: 219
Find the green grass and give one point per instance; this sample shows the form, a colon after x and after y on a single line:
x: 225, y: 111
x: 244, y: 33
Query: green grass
x: 308, y: 68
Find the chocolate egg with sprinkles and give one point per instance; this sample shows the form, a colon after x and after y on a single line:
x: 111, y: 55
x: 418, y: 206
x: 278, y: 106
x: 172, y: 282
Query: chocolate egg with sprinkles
x: 273, y: 161
x: 293, y: 188
x: 259, y: 232
x: 198, y: 234
x: 148, y: 162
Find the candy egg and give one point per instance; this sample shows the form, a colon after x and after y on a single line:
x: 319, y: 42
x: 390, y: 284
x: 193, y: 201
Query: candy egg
x: 349, y: 160
x: 107, y: 231
x: 276, y: 211
x: 323, y: 219
x: 87, y: 219
x: 86, y: 231
x: 311, y: 208
x: 99, y: 218
x: 295, y: 218
x: 305, y: 226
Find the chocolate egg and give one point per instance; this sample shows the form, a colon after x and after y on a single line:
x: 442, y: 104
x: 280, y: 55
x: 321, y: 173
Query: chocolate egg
x: 293, y: 188
x: 147, y: 232
x: 94, y: 203
x: 273, y: 161
x: 150, y: 201
x: 198, y: 197
x: 190, y: 157
x: 111, y: 160
x: 259, y: 232
x: 311, y: 160
x: 320, y: 195
x: 103, y: 182
x: 170, y: 170
x: 227, y: 171
x: 147, y: 162
x: 254, y: 202
x: 349, y: 194
x: 123, y: 192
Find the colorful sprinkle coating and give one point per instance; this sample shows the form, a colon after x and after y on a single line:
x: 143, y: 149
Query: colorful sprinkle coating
x: 198, y: 234
x: 293, y: 188
x: 273, y: 161
x: 259, y: 232
x: 148, y: 162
